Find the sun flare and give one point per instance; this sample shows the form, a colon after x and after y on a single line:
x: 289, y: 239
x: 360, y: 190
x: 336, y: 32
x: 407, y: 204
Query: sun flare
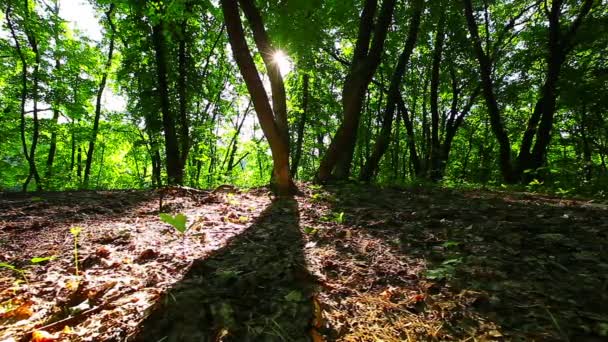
x: 283, y: 61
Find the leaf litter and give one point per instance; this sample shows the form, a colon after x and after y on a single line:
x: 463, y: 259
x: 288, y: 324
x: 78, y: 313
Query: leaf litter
x: 344, y: 263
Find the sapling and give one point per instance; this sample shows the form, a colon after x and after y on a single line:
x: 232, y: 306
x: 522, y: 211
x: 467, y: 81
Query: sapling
x: 75, y: 231
x: 179, y: 222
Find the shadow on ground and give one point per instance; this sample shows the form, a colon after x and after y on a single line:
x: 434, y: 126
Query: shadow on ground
x: 256, y: 288
x: 43, y: 209
x: 481, y: 265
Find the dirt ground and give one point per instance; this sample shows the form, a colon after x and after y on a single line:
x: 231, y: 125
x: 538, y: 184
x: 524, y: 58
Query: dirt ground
x: 340, y: 263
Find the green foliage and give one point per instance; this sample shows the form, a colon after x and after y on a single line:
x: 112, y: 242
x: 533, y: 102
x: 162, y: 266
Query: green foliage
x: 179, y: 221
x: 320, y: 38
x: 445, y: 270
x: 75, y: 231
x: 38, y: 260
x: 334, y: 217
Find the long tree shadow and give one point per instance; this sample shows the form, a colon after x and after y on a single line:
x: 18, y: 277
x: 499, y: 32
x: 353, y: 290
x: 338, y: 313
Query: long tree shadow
x: 256, y: 288
x: 493, y: 266
x: 42, y: 209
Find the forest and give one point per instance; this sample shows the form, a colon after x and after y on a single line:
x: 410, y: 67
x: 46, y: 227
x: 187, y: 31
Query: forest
x: 303, y: 170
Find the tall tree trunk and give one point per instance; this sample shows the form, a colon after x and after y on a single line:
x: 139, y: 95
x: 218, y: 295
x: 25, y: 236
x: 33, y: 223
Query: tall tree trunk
x: 102, y: 85
x: 273, y: 120
x: 434, y: 172
x: 35, y: 94
x: 233, y: 145
x: 411, y: 138
x: 73, y: 149
x: 184, y: 123
x: 24, y: 66
x: 55, y: 121
x: 559, y: 47
x: 174, y: 169
x: 451, y: 128
x: 485, y: 68
x: 338, y: 157
x: 301, y: 125
x: 587, y: 161
x: 394, y: 95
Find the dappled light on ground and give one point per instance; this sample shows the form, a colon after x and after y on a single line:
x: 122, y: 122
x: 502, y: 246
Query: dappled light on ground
x: 343, y: 263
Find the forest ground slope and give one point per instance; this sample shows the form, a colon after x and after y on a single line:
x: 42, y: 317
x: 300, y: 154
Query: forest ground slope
x: 351, y: 263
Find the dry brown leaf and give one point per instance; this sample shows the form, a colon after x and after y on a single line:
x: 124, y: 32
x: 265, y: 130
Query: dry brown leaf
x: 316, y: 337
x: 43, y: 336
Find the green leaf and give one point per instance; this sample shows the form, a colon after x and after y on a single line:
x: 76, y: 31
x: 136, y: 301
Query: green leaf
x: 294, y: 296
x: 178, y: 221
x: 37, y: 260
x: 75, y: 230
x: 449, y: 244
x: 9, y: 266
x: 310, y: 230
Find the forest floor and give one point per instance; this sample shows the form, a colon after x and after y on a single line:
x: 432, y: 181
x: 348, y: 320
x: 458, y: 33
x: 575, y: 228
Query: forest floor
x: 348, y: 263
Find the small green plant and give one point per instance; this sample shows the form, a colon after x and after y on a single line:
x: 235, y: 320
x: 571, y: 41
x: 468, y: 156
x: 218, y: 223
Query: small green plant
x: 310, y: 230
x: 445, y: 270
x: 334, y: 217
x: 179, y: 221
x: 15, y: 269
x: 38, y: 260
x: 21, y: 272
x: 75, y: 231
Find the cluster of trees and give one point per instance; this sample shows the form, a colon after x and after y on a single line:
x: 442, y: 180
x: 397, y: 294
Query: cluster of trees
x: 381, y: 90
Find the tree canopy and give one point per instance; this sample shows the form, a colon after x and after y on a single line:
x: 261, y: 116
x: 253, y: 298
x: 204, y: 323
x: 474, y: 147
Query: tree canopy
x: 251, y: 92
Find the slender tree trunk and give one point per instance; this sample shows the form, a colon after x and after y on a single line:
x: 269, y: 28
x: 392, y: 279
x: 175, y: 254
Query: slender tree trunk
x: 182, y: 81
x: 24, y: 66
x: 411, y: 139
x: 55, y: 121
x: 273, y: 120
x: 485, y: 68
x: 451, y: 129
x: 338, y: 157
x: 435, y: 155
x: 174, y: 169
x: 79, y: 165
x: 73, y: 149
x: 559, y: 47
x: 103, y: 149
x: 102, y: 85
x: 301, y: 125
x: 35, y: 95
x: 465, y: 163
x: 234, y: 143
x: 394, y: 95
x: 587, y: 161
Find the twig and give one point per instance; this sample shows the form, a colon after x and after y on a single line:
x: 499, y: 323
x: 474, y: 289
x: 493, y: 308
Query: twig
x: 82, y: 315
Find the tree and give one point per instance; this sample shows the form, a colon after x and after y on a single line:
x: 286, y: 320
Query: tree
x: 336, y: 162
x: 273, y: 120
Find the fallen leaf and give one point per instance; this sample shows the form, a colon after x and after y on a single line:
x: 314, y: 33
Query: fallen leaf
x: 43, y: 336
x: 318, y: 313
x: 316, y: 337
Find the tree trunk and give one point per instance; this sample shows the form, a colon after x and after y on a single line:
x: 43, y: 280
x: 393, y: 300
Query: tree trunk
x: 587, y: 161
x: 102, y: 85
x: 182, y: 80
x: 411, y: 138
x: 485, y: 68
x: 301, y: 125
x: 55, y: 121
x: 394, y: 95
x: 24, y: 65
x: 174, y: 169
x: 273, y: 123
x: 338, y: 157
x: 233, y: 145
x: 435, y: 157
x: 559, y: 47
